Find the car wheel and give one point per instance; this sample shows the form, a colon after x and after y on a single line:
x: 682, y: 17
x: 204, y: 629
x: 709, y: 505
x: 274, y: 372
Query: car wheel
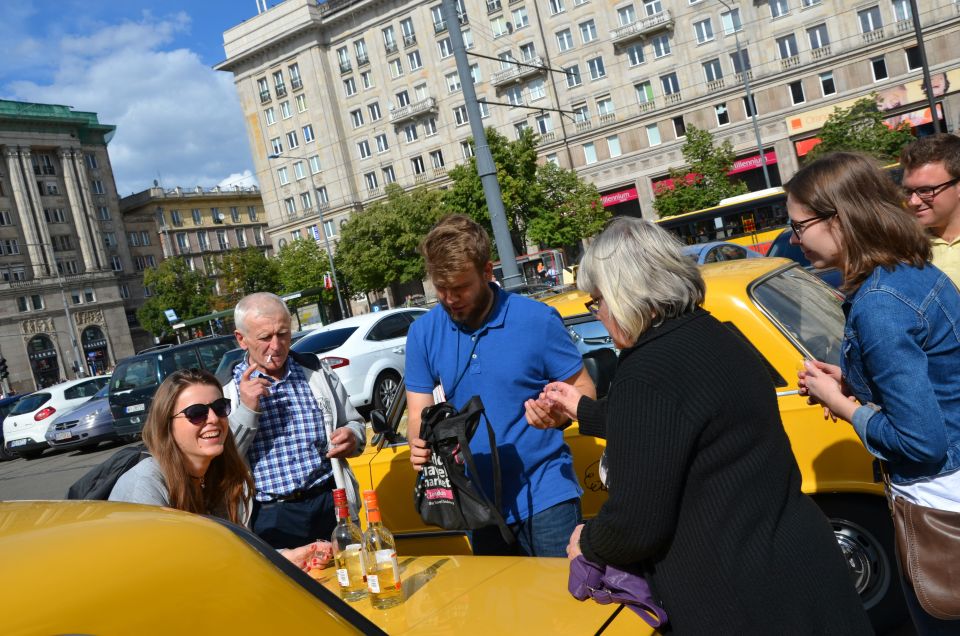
x: 6, y: 455
x: 864, y: 530
x: 33, y: 454
x: 385, y: 389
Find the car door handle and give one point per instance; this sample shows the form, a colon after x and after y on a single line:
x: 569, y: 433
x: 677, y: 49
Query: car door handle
x: 399, y: 349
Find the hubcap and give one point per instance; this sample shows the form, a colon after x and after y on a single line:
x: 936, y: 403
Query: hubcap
x: 869, y: 572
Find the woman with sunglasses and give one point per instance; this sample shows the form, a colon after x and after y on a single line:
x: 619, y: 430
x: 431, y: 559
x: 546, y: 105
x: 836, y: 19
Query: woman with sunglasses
x: 900, y: 364
x: 194, y: 464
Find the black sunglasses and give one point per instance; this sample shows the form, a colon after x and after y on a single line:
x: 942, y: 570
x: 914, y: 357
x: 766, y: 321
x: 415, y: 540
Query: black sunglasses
x: 196, y: 414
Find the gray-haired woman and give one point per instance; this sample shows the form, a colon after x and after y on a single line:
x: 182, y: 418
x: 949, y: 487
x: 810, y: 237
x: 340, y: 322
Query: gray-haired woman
x: 704, y: 496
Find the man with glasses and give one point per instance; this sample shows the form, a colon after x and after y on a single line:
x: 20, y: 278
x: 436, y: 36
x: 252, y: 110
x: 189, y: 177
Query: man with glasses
x: 931, y: 189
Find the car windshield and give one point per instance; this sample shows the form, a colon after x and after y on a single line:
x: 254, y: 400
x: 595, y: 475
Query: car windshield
x: 782, y: 247
x: 323, y: 341
x: 136, y: 375
x: 103, y: 392
x: 805, y: 310
x: 30, y: 403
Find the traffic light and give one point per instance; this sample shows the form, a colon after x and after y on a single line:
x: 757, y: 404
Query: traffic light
x: 4, y: 373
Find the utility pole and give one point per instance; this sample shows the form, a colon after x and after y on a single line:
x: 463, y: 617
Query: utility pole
x: 486, y: 169
x: 928, y: 87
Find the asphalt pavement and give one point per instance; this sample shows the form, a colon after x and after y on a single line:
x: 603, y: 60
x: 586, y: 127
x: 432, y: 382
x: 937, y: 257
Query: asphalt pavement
x: 49, y: 476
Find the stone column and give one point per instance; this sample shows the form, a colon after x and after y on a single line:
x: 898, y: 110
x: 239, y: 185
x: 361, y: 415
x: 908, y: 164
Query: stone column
x: 81, y: 212
x: 18, y: 161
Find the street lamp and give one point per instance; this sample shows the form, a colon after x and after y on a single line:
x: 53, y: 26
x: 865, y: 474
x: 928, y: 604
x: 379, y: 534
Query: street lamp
x: 326, y: 239
x: 753, y: 105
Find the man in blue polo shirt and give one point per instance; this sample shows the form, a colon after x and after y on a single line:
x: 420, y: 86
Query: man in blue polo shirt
x: 482, y: 340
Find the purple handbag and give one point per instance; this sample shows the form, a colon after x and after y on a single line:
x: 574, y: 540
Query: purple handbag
x: 613, y: 585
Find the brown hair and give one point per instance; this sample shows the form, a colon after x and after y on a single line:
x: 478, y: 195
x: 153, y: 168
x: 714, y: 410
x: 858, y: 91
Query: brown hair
x: 455, y: 244
x: 228, y: 483
x: 943, y: 148
x: 875, y: 229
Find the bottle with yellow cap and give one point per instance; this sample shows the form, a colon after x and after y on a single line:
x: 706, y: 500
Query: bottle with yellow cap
x: 380, y: 558
x: 347, y: 551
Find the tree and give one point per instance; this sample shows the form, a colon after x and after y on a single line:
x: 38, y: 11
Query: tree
x: 245, y: 271
x: 861, y: 128
x: 175, y: 286
x: 380, y: 246
x: 704, y: 183
x: 572, y: 209
x: 301, y: 266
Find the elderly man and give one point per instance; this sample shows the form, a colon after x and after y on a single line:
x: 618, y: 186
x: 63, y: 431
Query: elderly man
x: 280, y: 399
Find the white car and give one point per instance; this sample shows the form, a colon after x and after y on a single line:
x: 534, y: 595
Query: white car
x: 367, y: 352
x: 25, y: 427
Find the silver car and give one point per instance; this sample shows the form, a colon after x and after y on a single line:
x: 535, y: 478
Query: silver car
x: 85, y: 426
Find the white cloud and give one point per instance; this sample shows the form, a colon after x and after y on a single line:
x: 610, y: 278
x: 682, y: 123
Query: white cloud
x: 245, y: 179
x: 178, y: 121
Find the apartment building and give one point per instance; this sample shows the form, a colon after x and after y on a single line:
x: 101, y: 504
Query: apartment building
x: 344, y: 97
x: 63, y: 313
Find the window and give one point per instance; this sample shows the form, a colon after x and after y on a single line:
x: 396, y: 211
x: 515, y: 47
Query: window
x: 498, y: 26
x: 460, y: 115
x: 356, y: 116
x: 349, y: 87
x: 363, y: 149
x: 670, y: 83
x: 644, y: 92
x: 528, y: 52
x: 661, y: 45
x: 787, y: 46
x: 446, y: 48
x: 222, y: 241
x: 389, y: 40
x: 10, y: 246
x: 371, y: 181
x: 901, y: 10
x: 653, y: 135
x: 520, y: 18
x: 475, y: 73
x: 298, y: 172
x: 439, y: 26
x: 295, y: 81
x: 467, y: 39
x: 520, y: 127
x: 750, y: 106
x: 53, y: 215
x: 292, y: 140
x: 565, y: 40
x: 374, y: 111
x: 430, y: 126
x: 436, y: 158
x: 140, y: 263
x: 388, y: 175
x: 740, y: 62
x: 197, y: 217
x: 484, y: 109
x: 827, y: 87
x: 679, y: 127
x: 870, y: 19
x: 91, y: 161
x: 314, y: 165
x: 366, y: 80
x: 308, y: 133
x: 514, y: 95
x: 285, y: 110
x: 731, y: 21
x: 712, y: 70
x: 796, y: 92
x: 410, y: 132
x: 589, y: 153
x: 381, y: 141
x: 251, y: 213
x: 403, y: 99
x: 5, y: 217
x: 277, y: 145
x: 144, y: 238
x: 544, y: 124
x: 506, y: 60
x: 241, y: 237
x: 605, y: 106
x: 626, y: 15
x: 202, y: 240
x: 913, y: 58
x: 103, y: 213
x: 26, y: 303
x: 329, y: 229
x: 420, y: 91
x: 290, y: 206
x: 652, y: 7
x: 406, y: 29
x: 778, y: 8
x: 413, y: 60
x: 360, y: 48
x: 723, y: 115
x: 175, y: 218
x: 703, y: 30
x: 283, y: 176
x: 635, y: 54
x: 396, y: 68
x: 182, y: 243
x: 322, y: 197
x: 278, y: 84
x: 96, y: 186
x: 125, y: 290
x: 270, y: 116
x: 537, y: 88
x: 879, y: 67
x: 573, y: 76
x: 116, y: 264
x: 417, y: 164
x: 61, y: 242
x: 588, y: 31
x: 810, y: 3
x: 264, y: 88
x: 581, y: 113
x: 556, y: 6
x: 818, y: 36
x: 596, y: 67
x: 453, y: 82
x: 613, y: 146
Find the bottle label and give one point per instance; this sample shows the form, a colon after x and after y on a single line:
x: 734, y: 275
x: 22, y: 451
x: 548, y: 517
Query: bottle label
x: 389, y: 557
x: 373, y: 583
x: 343, y: 577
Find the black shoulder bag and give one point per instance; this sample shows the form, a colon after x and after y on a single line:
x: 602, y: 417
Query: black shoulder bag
x: 444, y: 495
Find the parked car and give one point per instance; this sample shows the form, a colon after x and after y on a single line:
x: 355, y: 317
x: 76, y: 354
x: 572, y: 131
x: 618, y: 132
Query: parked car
x: 785, y: 315
x: 6, y: 405
x: 782, y: 248
x: 717, y: 251
x: 367, y: 352
x: 25, y: 427
x: 231, y: 358
x: 137, y: 569
x: 85, y: 426
x: 136, y: 378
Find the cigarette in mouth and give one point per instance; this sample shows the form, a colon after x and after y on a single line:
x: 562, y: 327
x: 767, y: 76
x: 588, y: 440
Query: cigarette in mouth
x: 269, y: 359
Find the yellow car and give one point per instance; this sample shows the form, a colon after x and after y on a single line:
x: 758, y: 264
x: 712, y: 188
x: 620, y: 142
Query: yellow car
x: 786, y: 315
x: 106, y: 568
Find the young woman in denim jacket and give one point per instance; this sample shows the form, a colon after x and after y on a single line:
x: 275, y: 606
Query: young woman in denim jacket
x: 899, y: 380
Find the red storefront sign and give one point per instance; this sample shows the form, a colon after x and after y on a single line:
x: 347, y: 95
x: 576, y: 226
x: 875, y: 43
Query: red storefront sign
x: 753, y: 163
x: 619, y: 197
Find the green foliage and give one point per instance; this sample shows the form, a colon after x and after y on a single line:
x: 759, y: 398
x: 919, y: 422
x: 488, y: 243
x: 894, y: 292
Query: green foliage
x: 571, y: 208
x: 704, y: 182
x: 245, y: 271
x: 379, y: 246
x: 175, y: 286
x: 301, y: 266
x: 861, y: 128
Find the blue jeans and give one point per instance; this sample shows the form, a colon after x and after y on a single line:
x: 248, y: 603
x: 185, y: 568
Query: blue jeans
x: 545, y: 534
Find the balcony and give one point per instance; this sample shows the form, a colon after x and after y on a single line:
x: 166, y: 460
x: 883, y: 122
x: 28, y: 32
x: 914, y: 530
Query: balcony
x: 547, y: 137
x: 410, y: 111
x: 409, y: 40
x: 296, y: 83
x: 651, y: 24
x: 646, y: 106
x: 345, y: 66
x: 281, y: 90
x: 373, y: 193
x: 362, y: 59
x: 519, y: 71
x: 440, y: 171
x: 390, y: 47
x: 440, y: 27
x: 788, y: 63
x: 820, y: 53
x: 672, y: 98
x: 873, y: 36
x: 493, y: 6
x: 608, y: 118
x: 264, y: 96
x: 715, y: 85
x: 420, y: 178
x: 585, y: 125
x: 744, y: 76
x: 904, y: 25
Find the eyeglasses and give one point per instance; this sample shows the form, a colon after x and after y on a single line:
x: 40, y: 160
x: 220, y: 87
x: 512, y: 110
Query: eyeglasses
x: 799, y: 227
x: 927, y: 193
x: 593, y: 305
x: 196, y: 414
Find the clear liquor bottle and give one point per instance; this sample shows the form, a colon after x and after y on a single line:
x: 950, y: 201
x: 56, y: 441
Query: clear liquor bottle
x: 380, y: 558
x: 348, y: 551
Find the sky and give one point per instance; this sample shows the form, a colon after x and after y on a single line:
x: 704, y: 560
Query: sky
x: 145, y: 67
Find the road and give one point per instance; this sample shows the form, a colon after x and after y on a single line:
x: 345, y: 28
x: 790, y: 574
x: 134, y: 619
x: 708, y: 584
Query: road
x: 49, y: 476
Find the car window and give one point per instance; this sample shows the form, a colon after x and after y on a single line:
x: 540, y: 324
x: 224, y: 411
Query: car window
x: 323, y: 341
x: 392, y: 326
x: 135, y: 375
x: 184, y: 358
x: 588, y: 334
x: 212, y: 352
x: 104, y: 390
x: 805, y: 310
x: 30, y: 403
x: 6, y: 408
x: 82, y: 390
x: 730, y: 253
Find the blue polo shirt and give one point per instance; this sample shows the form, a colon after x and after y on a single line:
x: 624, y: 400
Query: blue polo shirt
x: 522, y: 346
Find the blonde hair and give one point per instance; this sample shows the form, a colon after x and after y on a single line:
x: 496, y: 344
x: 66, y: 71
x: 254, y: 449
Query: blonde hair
x: 455, y: 244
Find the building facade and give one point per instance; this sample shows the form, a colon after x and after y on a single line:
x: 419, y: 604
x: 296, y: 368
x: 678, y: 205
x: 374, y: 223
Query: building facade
x: 63, y: 314
x: 343, y: 97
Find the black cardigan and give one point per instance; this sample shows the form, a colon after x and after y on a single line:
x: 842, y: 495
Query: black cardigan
x: 704, y: 495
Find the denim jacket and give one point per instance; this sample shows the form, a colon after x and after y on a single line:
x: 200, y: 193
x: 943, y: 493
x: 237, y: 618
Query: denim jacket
x: 901, y: 358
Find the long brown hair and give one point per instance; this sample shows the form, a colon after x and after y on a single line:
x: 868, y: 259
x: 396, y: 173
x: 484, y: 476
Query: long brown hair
x: 228, y: 484
x: 875, y: 229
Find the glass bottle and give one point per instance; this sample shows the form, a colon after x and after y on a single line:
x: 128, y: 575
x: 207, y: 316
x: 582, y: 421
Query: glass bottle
x: 347, y: 551
x: 380, y: 558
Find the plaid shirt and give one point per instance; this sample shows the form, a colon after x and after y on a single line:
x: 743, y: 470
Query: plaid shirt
x: 287, y: 454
